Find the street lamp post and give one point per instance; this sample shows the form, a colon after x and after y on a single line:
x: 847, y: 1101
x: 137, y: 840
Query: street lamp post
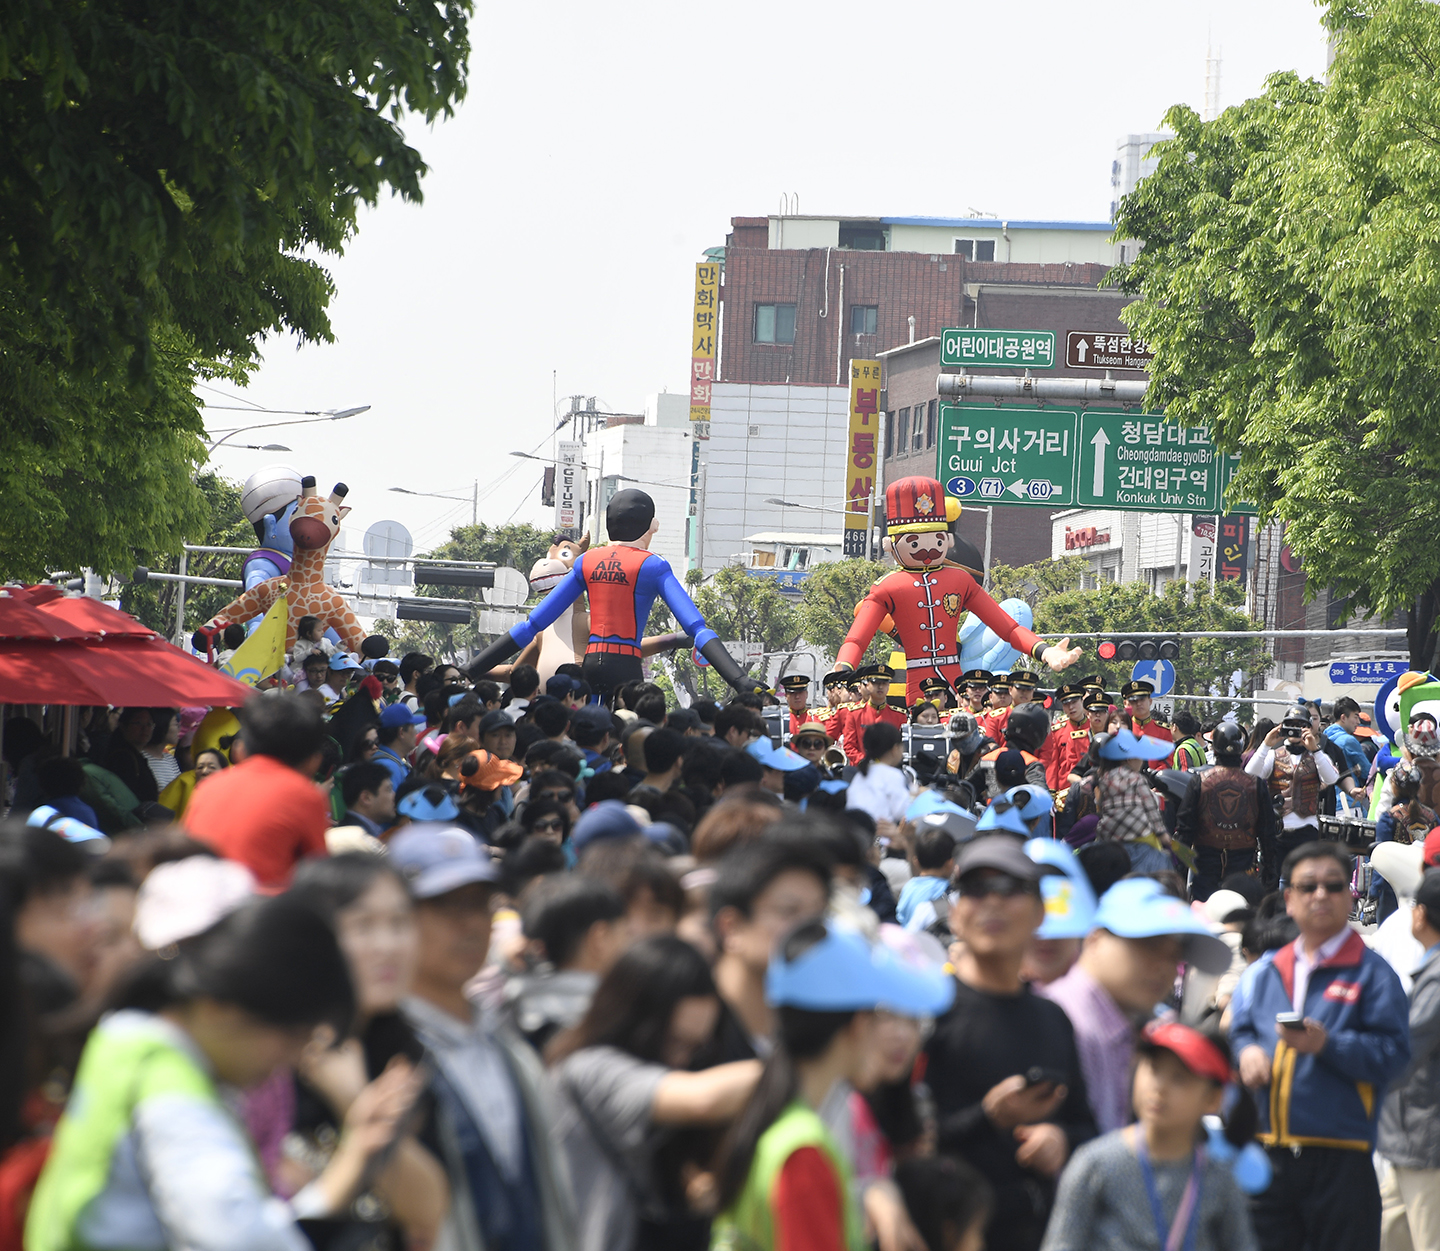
x: 308, y: 416
x: 474, y: 498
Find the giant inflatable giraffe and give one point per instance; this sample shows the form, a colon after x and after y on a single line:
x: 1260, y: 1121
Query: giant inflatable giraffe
x: 313, y: 527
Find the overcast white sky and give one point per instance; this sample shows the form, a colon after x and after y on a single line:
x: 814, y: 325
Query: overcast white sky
x: 604, y: 146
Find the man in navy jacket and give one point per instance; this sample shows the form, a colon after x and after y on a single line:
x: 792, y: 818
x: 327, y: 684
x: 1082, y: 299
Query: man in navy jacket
x: 1319, y: 1084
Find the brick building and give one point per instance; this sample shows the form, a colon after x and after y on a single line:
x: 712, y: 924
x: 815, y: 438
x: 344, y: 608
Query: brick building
x: 804, y: 296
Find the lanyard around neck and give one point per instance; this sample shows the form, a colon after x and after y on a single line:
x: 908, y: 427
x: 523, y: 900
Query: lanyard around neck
x: 1182, y: 1231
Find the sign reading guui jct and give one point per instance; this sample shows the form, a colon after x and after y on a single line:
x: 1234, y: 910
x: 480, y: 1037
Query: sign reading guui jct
x: 1058, y: 458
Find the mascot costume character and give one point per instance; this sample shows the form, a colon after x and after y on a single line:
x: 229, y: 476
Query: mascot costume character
x: 928, y: 597
x: 622, y: 580
x: 313, y: 527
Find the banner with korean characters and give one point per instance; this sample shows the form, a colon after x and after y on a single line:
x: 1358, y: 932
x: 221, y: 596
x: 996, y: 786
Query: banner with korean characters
x: 1027, y: 349
x: 704, y: 344
x: 860, y: 455
x: 1088, y: 458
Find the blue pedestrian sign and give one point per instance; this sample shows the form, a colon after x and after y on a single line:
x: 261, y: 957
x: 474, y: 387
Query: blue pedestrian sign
x: 1159, y: 673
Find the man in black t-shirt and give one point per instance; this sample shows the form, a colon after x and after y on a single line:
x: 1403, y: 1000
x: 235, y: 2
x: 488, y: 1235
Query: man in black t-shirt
x: 1002, y: 1065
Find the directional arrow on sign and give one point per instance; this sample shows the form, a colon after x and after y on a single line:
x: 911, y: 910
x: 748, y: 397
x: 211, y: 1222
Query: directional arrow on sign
x: 1082, y: 347
x: 1017, y: 489
x: 1100, y: 442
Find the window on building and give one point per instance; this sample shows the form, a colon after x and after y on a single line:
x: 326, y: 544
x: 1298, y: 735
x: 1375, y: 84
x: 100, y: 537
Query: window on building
x: 930, y: 415
x: 902, y: 432
x: 917, y: 437
x: 975, y: 249
x: 862, y: 318
x: 889, y: 435
x: 862, y: 236
x: 774, y: 323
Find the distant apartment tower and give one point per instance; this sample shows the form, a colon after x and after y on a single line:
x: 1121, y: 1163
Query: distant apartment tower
x: 1132, y: 163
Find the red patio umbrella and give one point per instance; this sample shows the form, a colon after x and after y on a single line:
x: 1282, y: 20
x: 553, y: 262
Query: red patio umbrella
x: 21, y: 620
x: 121, y: 672
x: 91, y: 615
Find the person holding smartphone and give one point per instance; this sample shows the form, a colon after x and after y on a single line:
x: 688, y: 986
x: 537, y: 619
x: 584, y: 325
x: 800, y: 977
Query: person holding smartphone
x: 1322, y: 1032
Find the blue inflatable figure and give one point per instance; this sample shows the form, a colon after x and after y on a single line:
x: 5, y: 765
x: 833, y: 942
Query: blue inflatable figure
x: 269, y: 499
x: 982, y: 648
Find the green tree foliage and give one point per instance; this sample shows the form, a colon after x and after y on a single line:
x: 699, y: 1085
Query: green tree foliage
x: 740, y: 608
x: 1037, y: 582
x: 1118, y: 607
x: 170, y: 164
x: 828, y: 598
x: 1288, y: 285
x: 224, y: 525
x: 172, y: 176
x: 94, y: 472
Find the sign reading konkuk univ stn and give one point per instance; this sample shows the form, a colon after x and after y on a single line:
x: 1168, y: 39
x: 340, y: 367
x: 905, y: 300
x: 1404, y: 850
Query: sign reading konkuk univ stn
x: 1081, y: 458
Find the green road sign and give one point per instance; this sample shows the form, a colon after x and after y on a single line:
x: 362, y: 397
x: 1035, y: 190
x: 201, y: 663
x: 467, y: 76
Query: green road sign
x: 1081, y: 458
x: 1028, y: 349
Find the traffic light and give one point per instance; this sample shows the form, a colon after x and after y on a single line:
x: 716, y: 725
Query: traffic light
x: 1127, y: 649
x: 446, y: 612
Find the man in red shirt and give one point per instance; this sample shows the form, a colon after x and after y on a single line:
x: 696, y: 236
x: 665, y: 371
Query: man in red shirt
x: 796, y: 689
x: 1069, y: 740
x: 1140, y: 698
x: 874, y: 683
x: 266, y: 812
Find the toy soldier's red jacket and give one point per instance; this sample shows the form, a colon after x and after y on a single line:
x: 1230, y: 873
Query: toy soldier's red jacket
x: 1063, y: 750
x: 928, y: 606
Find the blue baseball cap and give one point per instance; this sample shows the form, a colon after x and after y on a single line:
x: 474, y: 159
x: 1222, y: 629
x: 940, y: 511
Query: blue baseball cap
x: 436, y: 859
x: 1069, y: 897
x: 929, y: 801
x: 960, y: 825
x: 607, y: 819
x: 342, y: 660
x: 1031, y: 801
x: 72, y: 830
x: 1002, y: 817
x: 773, y: 757
x: 845, y: 973
x: 1124, y: 745
x: 1141, y: 908
x: 429, y: 803
x: 400, y: 714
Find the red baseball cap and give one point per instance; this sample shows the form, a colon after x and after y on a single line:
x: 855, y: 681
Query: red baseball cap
x: 1196, y: 1052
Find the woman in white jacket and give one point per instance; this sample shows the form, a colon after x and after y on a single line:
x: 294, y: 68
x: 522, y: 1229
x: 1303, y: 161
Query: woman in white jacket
x: 880, y: 786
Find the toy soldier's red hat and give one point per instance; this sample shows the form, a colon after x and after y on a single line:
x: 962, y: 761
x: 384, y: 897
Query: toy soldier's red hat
x: 918, y: 506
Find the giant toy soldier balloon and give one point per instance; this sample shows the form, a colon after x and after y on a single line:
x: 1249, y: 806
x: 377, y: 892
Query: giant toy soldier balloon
x: 928, y: 598
x: 622, y: 580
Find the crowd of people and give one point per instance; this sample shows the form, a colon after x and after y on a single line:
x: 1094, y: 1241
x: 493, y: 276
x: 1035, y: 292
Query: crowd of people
x: 400, y: 955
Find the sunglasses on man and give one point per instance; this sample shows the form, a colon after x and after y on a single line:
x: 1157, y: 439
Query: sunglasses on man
x: 1002, y: 885
x: 1331, y: 886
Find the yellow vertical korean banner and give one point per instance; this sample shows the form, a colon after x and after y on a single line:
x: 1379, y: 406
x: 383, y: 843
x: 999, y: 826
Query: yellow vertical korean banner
x: 860, y: 455
x: 704, y: 343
